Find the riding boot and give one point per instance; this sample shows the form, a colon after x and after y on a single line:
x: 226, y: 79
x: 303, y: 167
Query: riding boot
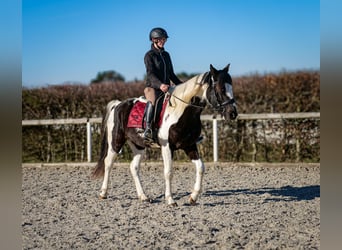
x: 148, y: 134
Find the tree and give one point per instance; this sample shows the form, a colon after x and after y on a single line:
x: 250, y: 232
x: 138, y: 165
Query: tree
x: 108, y: 76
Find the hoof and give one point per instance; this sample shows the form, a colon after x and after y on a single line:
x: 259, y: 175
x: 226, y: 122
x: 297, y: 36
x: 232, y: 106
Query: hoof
x: 148, y: 200
x: 192, y: 201
x: 173, y: 204
x: 102, y: 197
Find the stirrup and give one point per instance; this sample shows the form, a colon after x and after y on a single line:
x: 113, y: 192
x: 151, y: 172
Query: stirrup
x: 148, y: 135
x: 199, y: 139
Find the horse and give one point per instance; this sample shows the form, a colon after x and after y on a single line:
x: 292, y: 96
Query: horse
x: 180, y: 129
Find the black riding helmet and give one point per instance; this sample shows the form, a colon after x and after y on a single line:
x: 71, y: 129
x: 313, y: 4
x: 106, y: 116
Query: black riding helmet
x: 158, y: 33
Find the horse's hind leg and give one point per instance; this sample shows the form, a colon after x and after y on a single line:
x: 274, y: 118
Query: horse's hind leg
x: 135, y: 169
x: 108, y: 161
x: 111, y: 139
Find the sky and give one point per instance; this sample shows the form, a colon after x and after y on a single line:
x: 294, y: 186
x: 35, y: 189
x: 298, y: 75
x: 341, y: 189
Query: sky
x: 72, y: 40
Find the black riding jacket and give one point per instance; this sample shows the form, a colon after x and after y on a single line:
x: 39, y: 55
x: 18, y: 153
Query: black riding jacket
x: 159, y: 68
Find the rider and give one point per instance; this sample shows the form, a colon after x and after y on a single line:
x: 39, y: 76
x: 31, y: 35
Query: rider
x: 159, y: 72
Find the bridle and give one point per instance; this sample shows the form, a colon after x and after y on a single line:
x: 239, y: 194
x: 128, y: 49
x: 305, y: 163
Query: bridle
x: 188, y: 103
x: 219, y: 107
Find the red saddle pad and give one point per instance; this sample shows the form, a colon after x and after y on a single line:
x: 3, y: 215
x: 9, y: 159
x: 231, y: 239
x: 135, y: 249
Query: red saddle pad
x: 135, y: 118
x: 136, y: 115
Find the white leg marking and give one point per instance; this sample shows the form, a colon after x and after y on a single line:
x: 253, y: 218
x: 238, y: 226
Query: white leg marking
x: 135, y: 167
x: 109, y: 160
x: 199, y: 177
x: 167, y: 158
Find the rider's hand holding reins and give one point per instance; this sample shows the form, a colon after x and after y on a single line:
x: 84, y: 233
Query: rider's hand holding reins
x: 164, y: 87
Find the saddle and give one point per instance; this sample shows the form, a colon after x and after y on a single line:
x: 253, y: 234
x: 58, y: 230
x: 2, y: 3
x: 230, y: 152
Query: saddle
x: 137, y: 113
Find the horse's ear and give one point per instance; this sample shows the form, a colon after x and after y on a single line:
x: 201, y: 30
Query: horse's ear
x: 227, y: 68
x: 213, y: 71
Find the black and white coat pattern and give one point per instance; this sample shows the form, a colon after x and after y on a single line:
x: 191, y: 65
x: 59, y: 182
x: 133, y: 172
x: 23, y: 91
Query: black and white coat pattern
x: 180, y: 129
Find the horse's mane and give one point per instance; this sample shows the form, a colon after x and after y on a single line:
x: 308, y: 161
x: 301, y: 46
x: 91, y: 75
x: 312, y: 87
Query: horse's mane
x: 184, y: 90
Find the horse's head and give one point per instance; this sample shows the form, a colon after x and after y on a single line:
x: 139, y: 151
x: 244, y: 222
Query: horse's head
x: 220, y: 93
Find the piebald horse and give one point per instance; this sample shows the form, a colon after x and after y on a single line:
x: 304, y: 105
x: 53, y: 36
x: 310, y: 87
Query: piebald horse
x: 180, y: 129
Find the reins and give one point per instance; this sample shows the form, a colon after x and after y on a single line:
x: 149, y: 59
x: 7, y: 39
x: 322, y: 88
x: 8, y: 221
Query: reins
x: 218, y: 107
x: 204, y: 79
x: 188, y: 103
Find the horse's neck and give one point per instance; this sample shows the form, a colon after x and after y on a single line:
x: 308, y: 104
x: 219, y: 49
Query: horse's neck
x: 180, y: 99
x: 192, y: 87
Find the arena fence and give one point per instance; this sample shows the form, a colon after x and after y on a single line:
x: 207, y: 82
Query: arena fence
x: 253, y: 137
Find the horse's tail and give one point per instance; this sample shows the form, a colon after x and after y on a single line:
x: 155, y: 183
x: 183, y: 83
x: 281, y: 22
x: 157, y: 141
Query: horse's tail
x: 100, y: 166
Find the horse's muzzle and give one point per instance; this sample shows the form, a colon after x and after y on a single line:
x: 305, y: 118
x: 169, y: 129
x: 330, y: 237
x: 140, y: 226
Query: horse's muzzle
x: 230, y: 112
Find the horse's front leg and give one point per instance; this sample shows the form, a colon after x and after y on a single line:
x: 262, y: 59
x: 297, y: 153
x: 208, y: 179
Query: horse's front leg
x: 167, y: 159
x: 198, y: 184
x: 193, y: 154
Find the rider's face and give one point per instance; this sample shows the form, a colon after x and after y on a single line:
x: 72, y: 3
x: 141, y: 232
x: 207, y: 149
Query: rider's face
x: 160, y: 42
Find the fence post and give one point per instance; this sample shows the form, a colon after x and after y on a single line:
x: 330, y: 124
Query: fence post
x: 215, y: 140
x: 88, y: 140
x: 297, y: 133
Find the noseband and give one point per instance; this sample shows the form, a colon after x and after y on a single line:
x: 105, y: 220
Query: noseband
x: 222, y: 105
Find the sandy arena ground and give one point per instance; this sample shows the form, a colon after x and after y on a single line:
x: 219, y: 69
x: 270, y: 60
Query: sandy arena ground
x: 243, y: 206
